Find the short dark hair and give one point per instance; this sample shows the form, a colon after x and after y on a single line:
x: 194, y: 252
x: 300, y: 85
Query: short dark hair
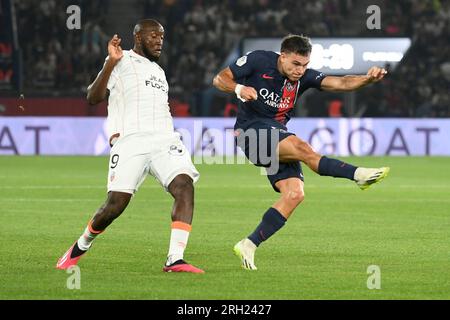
x: 146, y: 23
x: 296, y: 44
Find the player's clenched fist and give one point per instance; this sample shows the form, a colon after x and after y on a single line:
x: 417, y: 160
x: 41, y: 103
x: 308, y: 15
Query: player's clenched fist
x: 114, y: 49
x: 246, y: 93
x: 249, y: 93
x: 375, y: 74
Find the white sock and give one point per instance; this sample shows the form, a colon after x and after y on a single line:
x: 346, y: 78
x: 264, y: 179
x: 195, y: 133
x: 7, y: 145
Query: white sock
x: 249, y: 244
x: 89, y: 234
x: 178, y: 241
x: 357, y: 175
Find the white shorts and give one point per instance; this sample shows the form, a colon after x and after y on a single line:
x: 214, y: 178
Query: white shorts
x: 135, y: 156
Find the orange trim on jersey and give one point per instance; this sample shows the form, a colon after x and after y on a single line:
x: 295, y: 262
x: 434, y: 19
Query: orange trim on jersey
x: 181, y: 225
x: 91, y: 230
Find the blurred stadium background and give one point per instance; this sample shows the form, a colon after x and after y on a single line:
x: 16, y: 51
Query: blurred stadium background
x: 45, y: 67
x: 42, y: 59
x: 403, y: 224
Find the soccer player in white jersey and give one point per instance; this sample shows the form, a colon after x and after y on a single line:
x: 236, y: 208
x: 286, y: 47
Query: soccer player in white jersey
x: 143, y: 141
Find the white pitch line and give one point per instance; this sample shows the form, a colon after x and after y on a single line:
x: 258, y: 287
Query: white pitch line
x: 219, y: 186
x: 216, y: 200
x: 136, y: 200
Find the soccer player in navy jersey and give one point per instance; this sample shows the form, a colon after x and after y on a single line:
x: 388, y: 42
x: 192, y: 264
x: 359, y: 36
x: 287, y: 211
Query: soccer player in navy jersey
x: 268, y: 85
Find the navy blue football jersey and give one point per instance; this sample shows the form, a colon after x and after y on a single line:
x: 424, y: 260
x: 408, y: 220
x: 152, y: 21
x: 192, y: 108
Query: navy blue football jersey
x: 276, y: 93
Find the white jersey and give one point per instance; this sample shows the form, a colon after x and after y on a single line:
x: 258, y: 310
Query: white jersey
x: 138, y: 98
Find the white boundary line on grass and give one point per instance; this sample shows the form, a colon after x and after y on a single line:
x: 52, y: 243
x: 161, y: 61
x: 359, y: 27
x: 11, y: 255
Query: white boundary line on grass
x: 219, y: 186
x: 221, y: 200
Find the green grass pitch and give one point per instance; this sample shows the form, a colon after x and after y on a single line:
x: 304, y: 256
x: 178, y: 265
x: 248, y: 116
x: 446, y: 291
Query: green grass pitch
x: 401, y: 225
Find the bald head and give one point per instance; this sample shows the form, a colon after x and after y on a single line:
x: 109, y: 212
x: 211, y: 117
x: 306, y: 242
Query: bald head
x: 147, y: 24
x: 148, y: 39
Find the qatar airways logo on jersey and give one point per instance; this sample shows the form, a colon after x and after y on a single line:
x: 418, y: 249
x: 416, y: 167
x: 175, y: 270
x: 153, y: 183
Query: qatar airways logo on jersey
x: 274, y: 100
x: 157, y: 83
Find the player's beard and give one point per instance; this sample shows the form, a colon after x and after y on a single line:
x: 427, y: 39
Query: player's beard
x: 149, y: 55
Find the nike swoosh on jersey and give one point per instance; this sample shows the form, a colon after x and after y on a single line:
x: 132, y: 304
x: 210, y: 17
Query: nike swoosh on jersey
x: 265, y: 76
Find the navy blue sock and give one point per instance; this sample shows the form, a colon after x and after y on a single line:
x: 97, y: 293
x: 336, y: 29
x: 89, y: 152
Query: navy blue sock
x: 336, y: 168
x: 272, y: 221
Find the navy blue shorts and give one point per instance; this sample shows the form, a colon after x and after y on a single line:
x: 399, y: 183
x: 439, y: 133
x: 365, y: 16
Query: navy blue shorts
x: 259, y: 146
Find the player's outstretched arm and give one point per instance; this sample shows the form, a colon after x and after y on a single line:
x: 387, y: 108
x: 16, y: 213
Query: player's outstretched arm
x: 97, y: 90
x: 224, y: 81
x: 351, y: 82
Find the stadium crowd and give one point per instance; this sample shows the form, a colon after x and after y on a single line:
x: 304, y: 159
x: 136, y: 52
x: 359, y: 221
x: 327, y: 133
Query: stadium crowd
x: 205, y: 31
x: 200, y: 35
x: 419, y: 87
x: 55, y: 61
